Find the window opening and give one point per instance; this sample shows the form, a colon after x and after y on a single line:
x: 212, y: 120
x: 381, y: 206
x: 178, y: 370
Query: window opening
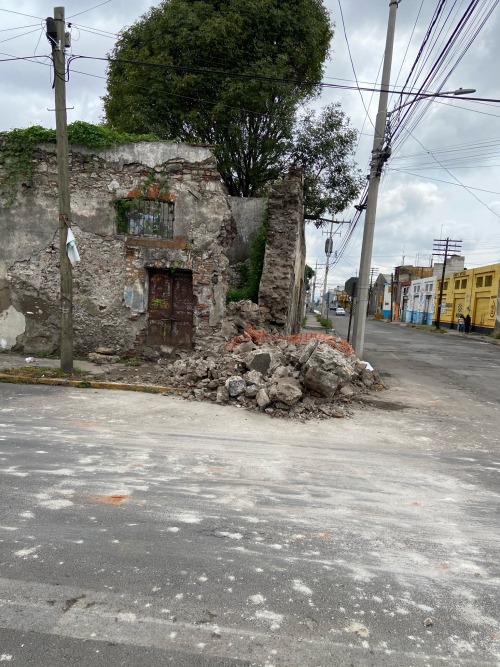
x: 488, y: 281
x: 464, y: 283
x: 479, y: 281
x: 145, y: 217
x: 457, y: 284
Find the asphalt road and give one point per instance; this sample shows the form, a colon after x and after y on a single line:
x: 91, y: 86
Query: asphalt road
x: 141, y: 529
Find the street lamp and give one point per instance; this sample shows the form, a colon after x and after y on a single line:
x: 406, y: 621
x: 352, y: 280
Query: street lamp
x: 380, y: 155
x: 423, y: 96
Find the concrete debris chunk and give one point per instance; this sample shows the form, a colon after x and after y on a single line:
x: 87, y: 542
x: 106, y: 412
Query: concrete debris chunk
x: 286, y: 390
x: 323, y: 382
x: 235, y: 386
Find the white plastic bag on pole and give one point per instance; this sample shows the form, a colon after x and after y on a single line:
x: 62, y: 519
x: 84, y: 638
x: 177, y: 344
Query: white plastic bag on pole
x: 71, y: 248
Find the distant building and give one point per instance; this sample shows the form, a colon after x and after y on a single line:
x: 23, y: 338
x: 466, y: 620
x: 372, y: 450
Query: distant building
x: 403, y: 277
x: 380, y: 296
x: 421, y: 301
x: 473, y: 292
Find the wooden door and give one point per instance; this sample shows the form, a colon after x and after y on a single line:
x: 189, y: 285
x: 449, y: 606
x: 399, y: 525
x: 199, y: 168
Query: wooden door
x: 170, y: 308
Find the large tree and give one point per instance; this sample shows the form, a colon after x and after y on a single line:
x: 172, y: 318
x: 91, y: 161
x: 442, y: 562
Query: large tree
x: 279, y: 46
x: 325, y: 147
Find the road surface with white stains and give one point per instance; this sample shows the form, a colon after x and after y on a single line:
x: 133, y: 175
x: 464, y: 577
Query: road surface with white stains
x: 147, y: 530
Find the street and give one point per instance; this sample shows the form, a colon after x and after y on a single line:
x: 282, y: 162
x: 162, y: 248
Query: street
x: 144, y: 529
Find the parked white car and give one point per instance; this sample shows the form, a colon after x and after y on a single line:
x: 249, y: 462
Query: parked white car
x: 339, y: 311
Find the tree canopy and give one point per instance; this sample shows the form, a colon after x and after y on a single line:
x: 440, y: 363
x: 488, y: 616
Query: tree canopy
x: 233, y: 74
x: 324, y: 147
x: 274, y: 53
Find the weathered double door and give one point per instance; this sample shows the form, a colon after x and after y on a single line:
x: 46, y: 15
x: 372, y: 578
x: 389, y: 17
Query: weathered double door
x: 170, y: 308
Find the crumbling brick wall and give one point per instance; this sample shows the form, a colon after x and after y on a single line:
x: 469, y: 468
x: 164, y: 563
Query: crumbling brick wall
x: 110, y: 283
x: 281, y: 292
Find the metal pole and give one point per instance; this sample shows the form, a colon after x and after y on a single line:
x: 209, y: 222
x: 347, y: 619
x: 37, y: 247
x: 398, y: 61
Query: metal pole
x: 373, y: 187
x: 66, y: 302
x: 314, y: 285
x: 391, y: 316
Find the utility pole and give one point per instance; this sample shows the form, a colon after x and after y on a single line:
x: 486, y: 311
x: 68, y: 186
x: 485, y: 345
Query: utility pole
x: 328, y: 253
x: 57, y: 38
x: 378, y: 158
x: 391, y: 316
x: 443, y: 247
x: 314, y: 284
x: 374, y: 271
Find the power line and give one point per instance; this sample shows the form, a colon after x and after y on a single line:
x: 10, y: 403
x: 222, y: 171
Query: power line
x: 352, y: 65
x: 21, y: 27
x: 258, y: 77
x: 91, y: 31
x: 89, y: 9
x: 88, y: 27
x: 252, y: 77
x: 439, y: 180
x: 10, y: 11
x: 469, y: 190
x: 409, y: 42
x: 30, y: 32
x: 461, y: 36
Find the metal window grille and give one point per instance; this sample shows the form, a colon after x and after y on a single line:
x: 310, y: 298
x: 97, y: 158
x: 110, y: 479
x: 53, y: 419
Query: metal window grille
x: 146, y: 217
x: 488, y: 281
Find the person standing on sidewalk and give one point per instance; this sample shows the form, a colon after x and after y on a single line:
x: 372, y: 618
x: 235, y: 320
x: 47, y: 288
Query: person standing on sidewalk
x: 467, y: 323
x: 461, y: 323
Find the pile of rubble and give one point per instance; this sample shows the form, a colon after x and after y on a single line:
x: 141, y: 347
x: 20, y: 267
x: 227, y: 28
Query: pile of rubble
x: 304, y: 376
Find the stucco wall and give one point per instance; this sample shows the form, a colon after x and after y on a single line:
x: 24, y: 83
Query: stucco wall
x: 248, y: 213
x: 110, y: 283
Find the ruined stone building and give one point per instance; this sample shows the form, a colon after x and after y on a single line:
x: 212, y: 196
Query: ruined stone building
x: 154, y: 228
x: 152, y: 224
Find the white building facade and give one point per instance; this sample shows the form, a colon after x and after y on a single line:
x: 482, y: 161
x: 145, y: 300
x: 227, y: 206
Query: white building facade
x: 421, y: 301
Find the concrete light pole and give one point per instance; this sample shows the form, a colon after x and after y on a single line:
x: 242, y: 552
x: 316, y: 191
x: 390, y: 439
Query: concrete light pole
x: 371, y: 203
x: 380, y: 155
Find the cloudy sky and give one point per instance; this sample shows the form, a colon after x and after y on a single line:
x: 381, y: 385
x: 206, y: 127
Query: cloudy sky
x: 422, y: 196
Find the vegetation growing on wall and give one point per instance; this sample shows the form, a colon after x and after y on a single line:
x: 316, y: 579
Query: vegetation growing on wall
x: 251, y: 273
x: 17, y: 148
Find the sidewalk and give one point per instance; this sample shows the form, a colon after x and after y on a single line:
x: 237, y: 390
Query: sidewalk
x: 449, y: 332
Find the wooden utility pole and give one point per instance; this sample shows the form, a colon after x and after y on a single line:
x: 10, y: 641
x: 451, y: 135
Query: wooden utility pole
x: 442, y: 248
x: 66, y: 299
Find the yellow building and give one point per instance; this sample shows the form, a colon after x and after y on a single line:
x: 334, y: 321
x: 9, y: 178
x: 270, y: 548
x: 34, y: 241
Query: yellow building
x: 474, y: 292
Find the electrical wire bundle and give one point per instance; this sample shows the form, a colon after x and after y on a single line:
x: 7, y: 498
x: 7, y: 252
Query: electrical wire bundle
x: 448, y: 38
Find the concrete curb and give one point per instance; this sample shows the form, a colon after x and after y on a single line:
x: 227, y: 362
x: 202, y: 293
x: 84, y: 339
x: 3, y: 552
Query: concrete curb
x: 87, y: 384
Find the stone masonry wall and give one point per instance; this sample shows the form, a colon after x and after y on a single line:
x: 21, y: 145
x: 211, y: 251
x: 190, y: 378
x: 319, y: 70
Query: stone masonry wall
x: 110, y: 283
x: 281, y: 292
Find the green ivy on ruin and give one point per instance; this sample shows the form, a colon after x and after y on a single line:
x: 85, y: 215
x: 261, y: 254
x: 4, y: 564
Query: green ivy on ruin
x: 17, y: 149
x: 251, y: 271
